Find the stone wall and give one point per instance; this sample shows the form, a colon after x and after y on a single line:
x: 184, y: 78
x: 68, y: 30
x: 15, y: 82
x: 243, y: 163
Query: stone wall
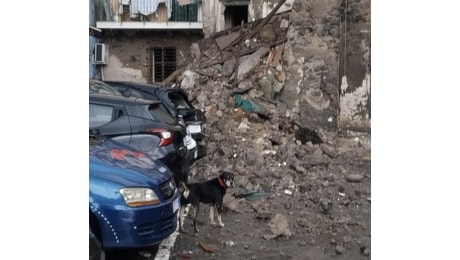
x: 312, y: 54
x: 328, y: 81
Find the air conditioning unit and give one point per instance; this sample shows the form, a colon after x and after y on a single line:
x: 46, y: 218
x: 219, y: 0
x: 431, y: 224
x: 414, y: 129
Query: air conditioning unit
x: 101, y: 53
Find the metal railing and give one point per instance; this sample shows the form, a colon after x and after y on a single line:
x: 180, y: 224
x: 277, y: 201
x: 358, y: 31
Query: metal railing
x: 147, y: 10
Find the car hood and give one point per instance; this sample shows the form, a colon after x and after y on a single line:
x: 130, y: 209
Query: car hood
x: 121, y: 164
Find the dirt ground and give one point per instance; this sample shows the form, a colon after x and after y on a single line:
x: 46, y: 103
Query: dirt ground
x: 327, y: 216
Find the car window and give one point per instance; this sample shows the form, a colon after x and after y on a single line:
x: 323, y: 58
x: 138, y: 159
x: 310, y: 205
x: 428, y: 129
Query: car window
x: 102, y: 88
x: 99, y: 115
x: 144, y: 94
x: 125, y: 91
x: 159, y: 112
x: 178, y: 100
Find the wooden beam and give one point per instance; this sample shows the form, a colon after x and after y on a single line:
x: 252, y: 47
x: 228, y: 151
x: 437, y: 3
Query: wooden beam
x: 237, y: 59
x: 242, y: 53
x: 171, y: 78
x: 277, y: 57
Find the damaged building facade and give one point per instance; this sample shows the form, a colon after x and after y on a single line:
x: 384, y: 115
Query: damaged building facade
x: 317, y: 52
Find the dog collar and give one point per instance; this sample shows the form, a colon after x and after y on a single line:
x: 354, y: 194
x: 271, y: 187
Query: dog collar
x: 222, y: 183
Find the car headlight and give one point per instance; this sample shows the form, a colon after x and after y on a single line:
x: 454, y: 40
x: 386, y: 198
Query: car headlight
x: 137, y: 197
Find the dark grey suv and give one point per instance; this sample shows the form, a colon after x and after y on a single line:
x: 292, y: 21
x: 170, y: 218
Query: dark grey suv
x: 176, y: 103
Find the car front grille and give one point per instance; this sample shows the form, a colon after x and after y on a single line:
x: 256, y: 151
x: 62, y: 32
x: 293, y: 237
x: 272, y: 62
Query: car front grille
x: 166, y: 225
x: 168, y: 189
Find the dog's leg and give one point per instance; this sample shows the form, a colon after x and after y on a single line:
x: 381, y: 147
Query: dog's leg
x: 219, y: 214
x: 211, y: 214
x: 181, y: 219
x: 197, y: 209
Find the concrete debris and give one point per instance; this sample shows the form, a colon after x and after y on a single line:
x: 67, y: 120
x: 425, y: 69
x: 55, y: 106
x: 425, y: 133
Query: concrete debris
x: 329, y: 150
x: 206, y: 247
x: 299, y: 169
x: 354, y: 178
x: 288, y: 192
x: 189, y: 79
x: 275, y: 126
x: 250, y: 62
x: 184, y: 254
x: 365, y: 250
x: 339, y: 249
x: 279, y: 226
x: 261, y: 206
x: 225, y: 40
x: 229, y: 243
x: 263, y: 215
x: 231, y: 203
x: 275, y: 61
x: 326, y: 205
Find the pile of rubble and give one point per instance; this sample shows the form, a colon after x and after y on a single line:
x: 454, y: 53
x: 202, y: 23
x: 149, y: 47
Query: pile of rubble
x: 244, y: 60
x: 236, y: 77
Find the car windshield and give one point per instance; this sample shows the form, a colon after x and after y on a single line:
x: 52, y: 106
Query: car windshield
x: 96, y: 87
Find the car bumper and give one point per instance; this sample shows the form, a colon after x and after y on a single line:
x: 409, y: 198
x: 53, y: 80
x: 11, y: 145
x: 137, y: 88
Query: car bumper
x: 126, y: 227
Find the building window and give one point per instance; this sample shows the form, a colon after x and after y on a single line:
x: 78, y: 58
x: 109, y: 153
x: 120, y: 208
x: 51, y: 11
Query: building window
x: 235, y: 12
x: 164, y: 62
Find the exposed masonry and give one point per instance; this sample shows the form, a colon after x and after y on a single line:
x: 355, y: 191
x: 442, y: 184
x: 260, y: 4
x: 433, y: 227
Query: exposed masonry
x: 325, y: 60
x: 353, y: 111
x: 355, y: 75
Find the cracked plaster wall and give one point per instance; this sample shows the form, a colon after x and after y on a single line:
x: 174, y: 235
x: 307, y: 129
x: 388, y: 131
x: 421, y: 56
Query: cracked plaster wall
x: 355, y: 66
x: 129, y: 55
x: 319, y: 60
x: 311, y: 58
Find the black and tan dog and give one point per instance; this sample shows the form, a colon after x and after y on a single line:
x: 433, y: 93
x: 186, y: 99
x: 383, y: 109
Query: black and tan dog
x: 210, y: 192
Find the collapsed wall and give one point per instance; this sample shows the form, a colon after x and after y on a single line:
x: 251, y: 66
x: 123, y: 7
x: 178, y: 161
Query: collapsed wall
x: 309, y: 63
x: 311, y: 92
x: 325, y: 65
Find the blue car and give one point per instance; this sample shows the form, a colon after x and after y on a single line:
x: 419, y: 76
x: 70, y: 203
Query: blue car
x: 133, y: 199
